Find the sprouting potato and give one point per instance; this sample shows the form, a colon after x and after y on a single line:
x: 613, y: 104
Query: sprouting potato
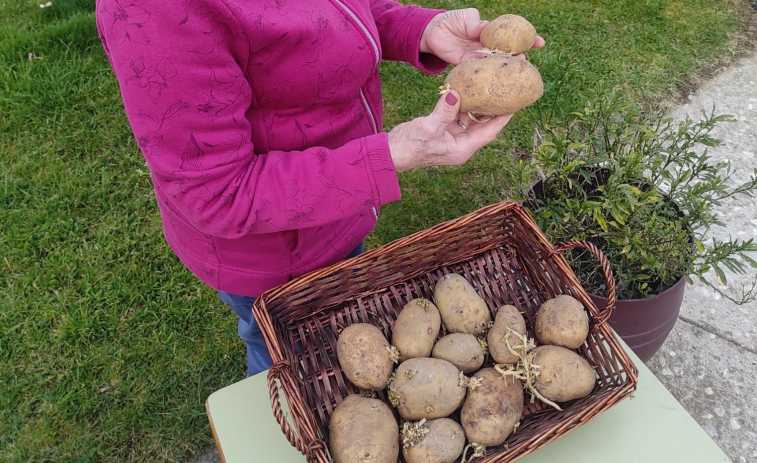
x: 461, y: 308
x: 433, y: 441
x: 562, y: 321
x: 365, y: 430
x: 495, y: 85
x: 416, y: 328
x: 462, y: 350
x: 509, y: 33
x: 492, y: 410
x: 563, y: 374
x: 426, y: 387
x: 508, y: 318
x: 365, y: 356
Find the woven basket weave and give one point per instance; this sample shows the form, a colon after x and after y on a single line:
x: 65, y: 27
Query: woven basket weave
x: 501, y: 251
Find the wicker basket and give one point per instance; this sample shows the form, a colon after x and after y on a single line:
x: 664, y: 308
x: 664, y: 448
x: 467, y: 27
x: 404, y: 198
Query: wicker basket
x: 500, y: 250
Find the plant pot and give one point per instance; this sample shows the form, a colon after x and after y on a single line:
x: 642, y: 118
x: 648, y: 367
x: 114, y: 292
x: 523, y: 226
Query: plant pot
x: 644, y: 324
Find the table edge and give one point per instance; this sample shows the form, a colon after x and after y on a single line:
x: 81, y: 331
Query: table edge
x: 213, y: 428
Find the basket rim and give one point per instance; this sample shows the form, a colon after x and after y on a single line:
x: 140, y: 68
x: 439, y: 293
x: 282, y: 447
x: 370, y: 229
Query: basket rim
x: 399, y: 242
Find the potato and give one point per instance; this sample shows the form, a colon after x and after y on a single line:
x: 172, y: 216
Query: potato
x: 416, y: 329
x: 508, y: 318
x: 562, y: 321
x: 509, y: 33
x: 441, y: 441
x: 365, y: 356
x: 461, y: 308
x: 495, y: 85
x: 365, y: 430
x: 426, y: 388
x: 563, y: 375
x: 492, y: 409
x: 460, y: 349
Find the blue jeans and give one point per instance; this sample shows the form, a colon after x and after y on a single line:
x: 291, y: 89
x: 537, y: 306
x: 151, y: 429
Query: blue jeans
x: 258, y: 357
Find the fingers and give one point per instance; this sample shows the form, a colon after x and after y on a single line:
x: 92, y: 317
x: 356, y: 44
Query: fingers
x: 489, y: 131
x: 465, y: 120
x: 459, y: 126
x: 479, y: 135
x: 492, y: 128
x: 473, y: 23
x: 469, y: 18
x: 445, y: 112
x: 539, y: 43
x: 467, y: 142
x: 464, y: 123
x: 474, y: 51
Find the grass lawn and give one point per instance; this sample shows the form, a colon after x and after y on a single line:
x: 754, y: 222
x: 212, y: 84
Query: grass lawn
x: 108, y: 346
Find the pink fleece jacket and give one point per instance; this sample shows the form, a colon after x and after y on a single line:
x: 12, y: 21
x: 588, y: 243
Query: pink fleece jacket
x: 261, y: 123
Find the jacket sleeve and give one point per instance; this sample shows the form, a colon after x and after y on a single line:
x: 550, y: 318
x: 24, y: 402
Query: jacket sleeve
x: 400, y: 29
x: 186, y: 96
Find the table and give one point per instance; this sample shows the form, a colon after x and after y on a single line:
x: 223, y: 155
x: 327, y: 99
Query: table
x: 651, y: 427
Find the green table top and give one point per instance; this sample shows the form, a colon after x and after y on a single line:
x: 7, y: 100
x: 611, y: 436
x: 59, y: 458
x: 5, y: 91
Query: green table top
x: 651, y: 427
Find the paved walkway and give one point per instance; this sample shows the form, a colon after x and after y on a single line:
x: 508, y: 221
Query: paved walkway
x: 709, y: 363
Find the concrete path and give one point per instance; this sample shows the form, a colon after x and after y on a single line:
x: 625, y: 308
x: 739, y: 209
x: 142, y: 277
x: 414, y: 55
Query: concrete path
x: 709, y: 363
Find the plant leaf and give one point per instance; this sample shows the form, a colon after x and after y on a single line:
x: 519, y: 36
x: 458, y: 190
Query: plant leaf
x: 721, y: 274
x: 618, y: 216
x: 751, y: 261
x: 700, y: 246
x: 600, y: 220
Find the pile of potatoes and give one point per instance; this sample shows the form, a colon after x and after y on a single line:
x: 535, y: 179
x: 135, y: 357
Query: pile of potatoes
x: 451, y: 356
x: 497, y: 82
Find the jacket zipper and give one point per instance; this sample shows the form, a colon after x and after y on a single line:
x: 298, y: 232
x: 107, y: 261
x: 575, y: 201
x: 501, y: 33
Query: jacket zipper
x: 376, y: 52
x: 368, y: 110
x: 362, y: 26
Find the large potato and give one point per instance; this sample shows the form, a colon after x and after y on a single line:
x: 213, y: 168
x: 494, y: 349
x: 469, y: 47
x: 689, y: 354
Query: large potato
x: 508, y: 318
x: 416, y: 328
x: 443, y: 442
x: 426, y: 388
x: 460, y: 349
x: 562, y: 321
x: 364, y: 430
x: 509, y: 33
x: 492, y: 409
x: 365, y: 356
x: 563, y: 374
x: 495, y: 85
x: 461, y: 308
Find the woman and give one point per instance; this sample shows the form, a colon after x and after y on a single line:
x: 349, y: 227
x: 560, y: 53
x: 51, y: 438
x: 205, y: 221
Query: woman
x: 261, y: 123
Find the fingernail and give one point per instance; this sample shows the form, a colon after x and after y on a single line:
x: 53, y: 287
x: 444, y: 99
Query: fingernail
x: 451, y: 99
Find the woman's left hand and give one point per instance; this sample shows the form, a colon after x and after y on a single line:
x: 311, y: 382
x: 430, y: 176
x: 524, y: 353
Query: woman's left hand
x: 454, y: 36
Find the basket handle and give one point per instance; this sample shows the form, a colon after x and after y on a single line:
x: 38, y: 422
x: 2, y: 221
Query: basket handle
x: 281, y: 371
x: 603, y: 315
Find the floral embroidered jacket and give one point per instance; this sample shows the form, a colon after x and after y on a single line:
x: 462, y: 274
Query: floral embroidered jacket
x: 261, y: 123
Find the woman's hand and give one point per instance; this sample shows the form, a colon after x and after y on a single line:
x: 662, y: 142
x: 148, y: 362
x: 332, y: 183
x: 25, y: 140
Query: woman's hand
x: 454, y: 36
x: 441, y: 138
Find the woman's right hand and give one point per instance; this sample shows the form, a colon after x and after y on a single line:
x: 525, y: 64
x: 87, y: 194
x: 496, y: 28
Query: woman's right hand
x: 439, y: 139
